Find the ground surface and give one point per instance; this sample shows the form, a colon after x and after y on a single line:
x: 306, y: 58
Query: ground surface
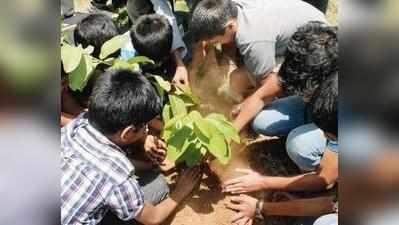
x: 206, y: 206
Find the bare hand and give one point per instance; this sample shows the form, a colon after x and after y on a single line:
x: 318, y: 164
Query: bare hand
x: 187, y: 181
x: 155, y: 149
x: 250, y: 182
x: 181, y: 75
x: 245, y: 206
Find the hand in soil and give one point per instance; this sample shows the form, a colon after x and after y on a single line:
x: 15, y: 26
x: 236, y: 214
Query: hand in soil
x: 245, y: 206
x: 155, y: 149
x: 250, y: 182
x: 189, y: 179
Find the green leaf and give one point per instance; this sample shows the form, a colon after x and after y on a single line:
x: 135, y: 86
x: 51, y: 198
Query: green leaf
x: 71, y: 57
x: 162, y: 83
x: 166, y: 113
x: 192, y: 156
x: 177, y: 105
x: 200, y: 123
x: 178, y: 143
x: 79, y: 77
x: 113, y: 45
x: 140, y: 59
x: 121, y: 64
x: 218, y: 147
x: 224, y: 126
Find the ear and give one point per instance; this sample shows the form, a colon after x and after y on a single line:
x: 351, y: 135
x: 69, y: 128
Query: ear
x: 127, y: 133
x: 230, y: 25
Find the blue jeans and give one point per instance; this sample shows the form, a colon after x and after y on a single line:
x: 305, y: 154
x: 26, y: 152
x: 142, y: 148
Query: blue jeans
x: 329, y: 219
x: 290, y: 116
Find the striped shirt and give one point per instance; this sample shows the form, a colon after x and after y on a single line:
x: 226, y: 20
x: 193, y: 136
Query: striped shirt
x: 96, y: 177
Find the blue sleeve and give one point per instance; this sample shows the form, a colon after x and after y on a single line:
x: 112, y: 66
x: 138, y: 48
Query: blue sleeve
x: 332, y: 145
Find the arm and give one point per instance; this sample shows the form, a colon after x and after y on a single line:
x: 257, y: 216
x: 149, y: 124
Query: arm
x: 154, y: 215
x: 254, y: 103
x: 66, y: 118
x: 324, y: 177
x: 300, y: 207
x: 246, y: 207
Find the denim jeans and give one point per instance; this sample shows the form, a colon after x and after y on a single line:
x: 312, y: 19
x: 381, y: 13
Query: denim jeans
x: 329, y: 219
x: 289, y: 116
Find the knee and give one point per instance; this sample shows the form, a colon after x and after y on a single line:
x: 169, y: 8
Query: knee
x: 267, y: 123
x: 303, y: 149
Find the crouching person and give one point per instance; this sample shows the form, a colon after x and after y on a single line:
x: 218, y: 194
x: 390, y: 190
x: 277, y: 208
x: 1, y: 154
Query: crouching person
x: 97, y: 177
x: 324, y: 107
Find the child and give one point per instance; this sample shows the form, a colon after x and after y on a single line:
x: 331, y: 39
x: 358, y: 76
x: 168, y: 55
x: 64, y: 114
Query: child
x: 96, y: 174
x: 312, y: 58
x: 152, y: 36
x: 324, y: 108
x: 94, y: 30
x: 260, y: 31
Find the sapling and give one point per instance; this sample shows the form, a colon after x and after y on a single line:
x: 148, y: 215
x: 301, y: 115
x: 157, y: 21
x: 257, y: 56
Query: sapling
x: 190, y: 136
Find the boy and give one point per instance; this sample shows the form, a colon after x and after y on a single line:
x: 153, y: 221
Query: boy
x: 152, y: 36
x: 324, y: 107
x: 96, y: 174
x: 260, y: 30
x: 94, y: 30
x: 312, y: 57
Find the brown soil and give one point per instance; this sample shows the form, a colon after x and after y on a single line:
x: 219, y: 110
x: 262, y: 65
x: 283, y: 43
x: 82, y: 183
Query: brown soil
x: 206, y: 206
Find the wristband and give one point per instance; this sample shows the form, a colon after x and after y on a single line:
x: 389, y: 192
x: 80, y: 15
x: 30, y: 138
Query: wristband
x: 259, y: 210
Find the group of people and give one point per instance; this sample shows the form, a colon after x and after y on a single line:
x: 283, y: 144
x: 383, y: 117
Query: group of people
x: 286, y: 55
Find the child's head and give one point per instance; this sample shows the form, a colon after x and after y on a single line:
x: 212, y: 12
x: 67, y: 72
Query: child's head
x: 324, y: 105
x: 214, y: 21
x: 312, y: 55
x: 95, y: 30
x: 121, y: 104
x: 152, y: 36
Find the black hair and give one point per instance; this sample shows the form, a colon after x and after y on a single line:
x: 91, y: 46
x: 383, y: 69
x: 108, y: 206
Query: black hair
x: 95, y: 30
x: 121, y: 98
x: 311, y: 56
x: 152, y: 36
x: 210, y: 18
x: 138, y: 8
x: 324, y: 104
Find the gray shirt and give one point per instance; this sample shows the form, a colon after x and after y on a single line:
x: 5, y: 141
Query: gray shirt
x: 264, y: 28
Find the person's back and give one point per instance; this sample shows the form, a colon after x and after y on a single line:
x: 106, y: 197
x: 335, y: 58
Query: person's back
x: 91, y: 170
x: 265, y: 27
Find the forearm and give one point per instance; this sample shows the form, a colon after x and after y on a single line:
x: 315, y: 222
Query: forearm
x: 304, y: 182
x: 251, y: 106
x: 155, y: 215
x: 299, y: 207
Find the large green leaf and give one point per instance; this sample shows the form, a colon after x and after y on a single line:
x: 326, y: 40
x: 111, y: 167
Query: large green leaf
x: 162, y: 83
x: 218, y: 146
x: 224, y: 126
x: 79, y: 77
x: 177, y: 105
x: 200, y: 123
x: 113, y: 45
x: 71, y: 57
x: 179, y: 143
